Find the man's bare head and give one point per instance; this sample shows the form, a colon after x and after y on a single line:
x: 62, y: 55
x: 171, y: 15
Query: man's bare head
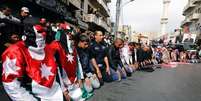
x: 98, y: 36
x: 118, y: 43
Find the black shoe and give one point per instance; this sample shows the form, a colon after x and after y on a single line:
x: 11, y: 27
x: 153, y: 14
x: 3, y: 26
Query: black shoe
x: 129, y: 74
x: 148, y: 69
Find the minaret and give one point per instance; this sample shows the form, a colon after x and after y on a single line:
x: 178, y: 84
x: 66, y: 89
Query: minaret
x: 164, y: 18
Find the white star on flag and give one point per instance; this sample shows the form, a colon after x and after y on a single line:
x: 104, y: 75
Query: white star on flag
x: 9, y: 67
x: 46, y: 71
x: 70, y: 58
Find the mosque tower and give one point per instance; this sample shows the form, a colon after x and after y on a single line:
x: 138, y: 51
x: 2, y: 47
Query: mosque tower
x: 164, y: 18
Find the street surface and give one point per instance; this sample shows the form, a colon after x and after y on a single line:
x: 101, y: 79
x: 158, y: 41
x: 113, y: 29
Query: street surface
x: 182, y: 83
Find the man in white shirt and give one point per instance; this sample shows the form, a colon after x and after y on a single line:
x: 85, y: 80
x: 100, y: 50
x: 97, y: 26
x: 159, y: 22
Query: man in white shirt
x: 126, y: 57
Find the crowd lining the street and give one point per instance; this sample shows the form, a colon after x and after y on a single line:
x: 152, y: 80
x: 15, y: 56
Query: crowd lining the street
x: 80, y: 61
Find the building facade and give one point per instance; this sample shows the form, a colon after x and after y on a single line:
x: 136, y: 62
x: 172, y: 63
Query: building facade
x: 125, y: 31
x: 86, y: 14
x: 97, y: 14
x: 143, y: 37
x: 192, y: 22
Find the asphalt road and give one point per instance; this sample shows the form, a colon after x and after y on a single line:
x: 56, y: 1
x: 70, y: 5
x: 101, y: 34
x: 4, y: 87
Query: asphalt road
x: 3, y: 96
x: 182, y: 83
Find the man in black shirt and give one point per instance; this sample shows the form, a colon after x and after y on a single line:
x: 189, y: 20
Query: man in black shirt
x: 117, y: 67
x: 98, y: 52
x: 139, y: 52
x: 146, y: 63
x: 24, y: 13
x: 90, y: 80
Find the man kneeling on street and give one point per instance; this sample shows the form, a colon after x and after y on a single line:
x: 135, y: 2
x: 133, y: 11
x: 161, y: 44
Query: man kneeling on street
x: 117, y: 69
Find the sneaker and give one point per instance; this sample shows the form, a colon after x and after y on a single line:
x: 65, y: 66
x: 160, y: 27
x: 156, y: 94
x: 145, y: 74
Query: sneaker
x: 86, y: 95
x: 89, y: 95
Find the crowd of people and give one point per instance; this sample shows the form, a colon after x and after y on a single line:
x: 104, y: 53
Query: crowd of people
x: 55, y: 62
x: 177, y: 53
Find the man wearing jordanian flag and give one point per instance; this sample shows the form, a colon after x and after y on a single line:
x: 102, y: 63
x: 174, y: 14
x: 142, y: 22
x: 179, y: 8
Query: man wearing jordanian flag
x: 29, y: 67
x: 72, y: 73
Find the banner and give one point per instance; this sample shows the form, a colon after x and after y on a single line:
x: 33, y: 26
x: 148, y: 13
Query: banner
x: 189, y: 38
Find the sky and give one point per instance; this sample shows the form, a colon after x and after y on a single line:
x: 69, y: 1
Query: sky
x: 144, y: 15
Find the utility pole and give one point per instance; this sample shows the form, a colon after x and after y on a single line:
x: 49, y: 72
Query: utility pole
x: 118, y: 11
x: 119, y: 6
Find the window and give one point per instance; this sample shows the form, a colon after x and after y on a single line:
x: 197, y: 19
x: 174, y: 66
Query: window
x: 90, y: 10
x: 82, y: 4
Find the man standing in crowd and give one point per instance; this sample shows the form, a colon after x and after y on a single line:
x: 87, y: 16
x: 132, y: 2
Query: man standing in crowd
x: 6, y: 13
x: 117, y: 68
x: 24, y: 13
x: 9, y: 28
x: 99, y: 58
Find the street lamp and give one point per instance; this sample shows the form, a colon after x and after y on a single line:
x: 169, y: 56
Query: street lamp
x: 119, y: 6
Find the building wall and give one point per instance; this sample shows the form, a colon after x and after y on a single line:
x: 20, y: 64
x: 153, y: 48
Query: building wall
x: 99, y: 8
x: 194, y: 26
x: 73, y: 11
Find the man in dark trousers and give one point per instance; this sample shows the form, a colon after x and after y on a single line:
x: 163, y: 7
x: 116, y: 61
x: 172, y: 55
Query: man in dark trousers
x: 138, y: 54
x: 99, y: 58
x: 143, y: 56
x: 117, y: 68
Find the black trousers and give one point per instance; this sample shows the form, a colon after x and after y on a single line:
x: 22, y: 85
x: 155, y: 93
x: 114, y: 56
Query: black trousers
x: 105, y: 77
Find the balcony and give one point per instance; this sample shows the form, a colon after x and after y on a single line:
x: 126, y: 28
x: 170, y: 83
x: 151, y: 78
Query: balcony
x: 188, y: 8
x: 195, y: 16
x: 186, y: 22
x: 102, y: 6
x: 92, y: 18
x: 103, y: 24
x: 196, y: 1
